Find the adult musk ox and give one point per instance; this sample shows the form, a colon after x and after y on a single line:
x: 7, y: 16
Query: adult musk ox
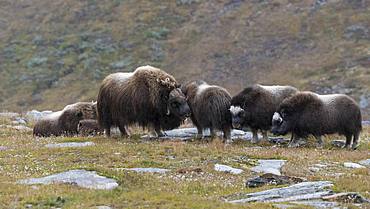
x: 255, y: 106
x: 148, y: 97
x: 307, y: 113
x: 209, y: 105
x: 65, y: 122
x: 89, y: 127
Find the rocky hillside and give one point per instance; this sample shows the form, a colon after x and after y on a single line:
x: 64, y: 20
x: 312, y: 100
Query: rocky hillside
x: 57, y: 52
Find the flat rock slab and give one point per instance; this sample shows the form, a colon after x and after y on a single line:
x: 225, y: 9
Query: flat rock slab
x: 70, y: 144
x: 146, y: 170
x: 338, y: 143
x: 319, y: 204
x: 227, y: 169
x: 272, y: 179
x: 278, y: 140
x: 190, y: 133
x: 298, y: 192
x: 346, y: 197
x: 269, y: 166
x: 82, y: 178
x: 362, y: 162
x: 353, y: 165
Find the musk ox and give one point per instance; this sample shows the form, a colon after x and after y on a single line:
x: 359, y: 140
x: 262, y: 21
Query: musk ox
x: 89, y: 127
x: 307, y: 113
x: 148, y: 97
x: 65, y: 122
x: 209, y: 106
x: 255, y: 105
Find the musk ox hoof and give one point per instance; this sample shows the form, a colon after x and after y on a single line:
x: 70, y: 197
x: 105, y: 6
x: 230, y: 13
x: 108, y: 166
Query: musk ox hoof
x: 255, y: 141
x: 354, y: 146
x: 199, y: 136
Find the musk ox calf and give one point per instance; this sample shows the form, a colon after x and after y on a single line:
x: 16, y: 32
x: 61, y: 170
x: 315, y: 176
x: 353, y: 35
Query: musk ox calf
x: 255, y: 105
x: 148, y: 97
x: 209, y: 106
x: 65, y: 122
x: 307, y: 113
x: 89, y: 127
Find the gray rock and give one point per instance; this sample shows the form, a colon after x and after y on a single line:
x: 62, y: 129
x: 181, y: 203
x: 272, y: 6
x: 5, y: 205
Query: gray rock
x: 227, y: 169
x: 318, y: 204
x: 338, y: 143
x: 279, y: 140
x: 19, y: 120
x: 82, y: 178
x: 269, y: 166
x: 146, y: 170
x: 297, y: 192
x: 3, y: 148
x: 103, y: 207
x: 365, y: 162
x: 70, y: 144
x: 21, y: 128
x: 366, y: 123
x: 35, y: 115
x: 353, y: 165
x: 346, y: 197
x: 272, y: 179
x: 9, y: 114
x: 190, y: 133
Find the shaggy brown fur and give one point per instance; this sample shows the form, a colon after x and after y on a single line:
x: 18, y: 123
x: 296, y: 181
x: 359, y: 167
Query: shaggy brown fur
x: 65, y: 122
x: 142, y: 97
x: 307, y: 113
x: 209, y: 106
x: 255, y: 105
x: 89, y: 128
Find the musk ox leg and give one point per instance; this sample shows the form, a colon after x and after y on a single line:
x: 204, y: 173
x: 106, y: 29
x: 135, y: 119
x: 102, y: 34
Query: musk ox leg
x: 213, y: 132
x: 255, y: 136
x: 264, y: 135
x: 122, y: 129
x: 356, y: 137
x: 199, y: 135
x: 348, y: 141
x: 158, y: 131
x: 319, y: 142
x: 227, y: 135
x: 107, y: 132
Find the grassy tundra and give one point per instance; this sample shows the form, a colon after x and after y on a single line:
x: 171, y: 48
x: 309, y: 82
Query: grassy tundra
x: 191, y: 183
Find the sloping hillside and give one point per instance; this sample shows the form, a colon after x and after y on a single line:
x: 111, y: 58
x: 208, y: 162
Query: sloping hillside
x: 57, y: 52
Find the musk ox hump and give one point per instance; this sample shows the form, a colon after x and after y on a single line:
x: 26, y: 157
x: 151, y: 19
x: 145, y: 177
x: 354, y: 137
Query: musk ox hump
x: 155, y: 76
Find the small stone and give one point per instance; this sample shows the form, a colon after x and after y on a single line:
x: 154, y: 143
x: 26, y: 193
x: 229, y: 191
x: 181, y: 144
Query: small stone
x: 314, y: 169
x: 227, y: 169
x: 362, y: 162
x: 70, y: 144
x: 146, y: 170
x: 353, y: 165
x: 103, y: 207
x: 2, y: 148
x: 269, y: 166
x: 278, y: 140
x: 346, y: 197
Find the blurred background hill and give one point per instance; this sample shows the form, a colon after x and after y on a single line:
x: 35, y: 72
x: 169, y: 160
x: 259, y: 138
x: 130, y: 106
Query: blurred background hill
x: 57, y: 52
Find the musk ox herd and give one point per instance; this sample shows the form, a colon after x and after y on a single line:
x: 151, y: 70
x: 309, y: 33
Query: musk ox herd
x: 153, y: 99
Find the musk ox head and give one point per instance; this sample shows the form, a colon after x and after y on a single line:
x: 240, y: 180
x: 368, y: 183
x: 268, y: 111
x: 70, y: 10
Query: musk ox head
x: 177, y: 104
x: 238, y: 116
x: 282, y: 122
